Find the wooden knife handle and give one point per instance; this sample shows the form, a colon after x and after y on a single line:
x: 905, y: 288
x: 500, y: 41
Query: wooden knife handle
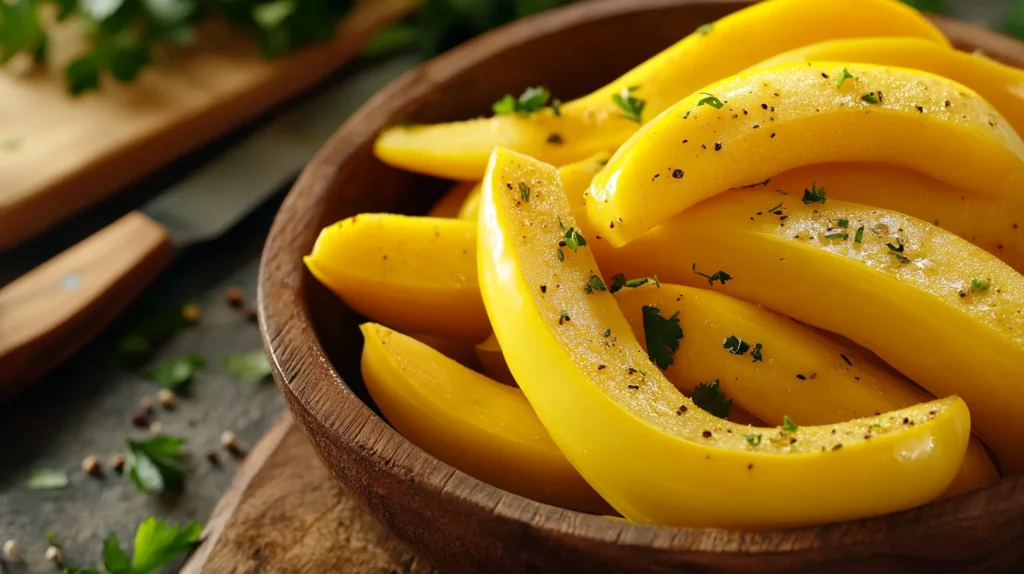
x: 50, y: 312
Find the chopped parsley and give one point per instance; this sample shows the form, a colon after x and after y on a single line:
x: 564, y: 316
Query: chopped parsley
x: 859, y: 236
x: 788, y: 425
x: 720, y: 276
x: 895, y: 248
x: 556, y: 107
x: 560, y: 253
x: 662, y: 335
x: 606, y: 333
x: 595, y: 284
x: 531, y: 100
x: 710, y: 100
x: 251, y: 367
x: 844, y: 223
x: 735, y: 345
x: 979, y: 284
x: 902, y: 259
x: 846, y: 75
x: 631, y: 107
x: 524, y: 191
x: 776, y: 208
x: 814, y: 195
x: 842, y: 236
x: 704, y: 29
x: 154, y: 465
x: 711, y: 398
x: 618, y: 282
x: 47, y: 479
x: 176, y: 372
x: 756, y: 354
x: 560, y: 224
x: 574, y: 239
x: 563, y: 316
x: 871, y: 98
x: 753, y: 439
x: 555, y: 139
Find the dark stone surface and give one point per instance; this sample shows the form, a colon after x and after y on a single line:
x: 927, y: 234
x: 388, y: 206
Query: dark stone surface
x: 84, y: 408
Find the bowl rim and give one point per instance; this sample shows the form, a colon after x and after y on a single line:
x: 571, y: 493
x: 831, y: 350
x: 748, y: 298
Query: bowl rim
x: 283, y: 309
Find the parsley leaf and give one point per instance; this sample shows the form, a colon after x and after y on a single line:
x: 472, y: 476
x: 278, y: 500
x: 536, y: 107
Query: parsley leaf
x: 846, y: 75
x: 871, y: 98
x: 704, y: 29
x: 788, y: 425
x: 753, y: 439
x: 154, y: 465
x: 556, y: 107
x: 631, y: 107
x: 899, y: 249
x: 251, y: 367
x: 843, y: 236
x: 720, y: 276
x: 176, y: 372
x: 735, y: 345
x: 574, y: 239
x: 814, y: 195
x: 756, y: 354
x: 661, y: 335
x: 712, y: 399
x: 595, y: 284
x: 47, y: 479
x: 844, y: 223
x: 618, y: 282
x: 532, y: 99
x: 979, y: 284
x: 156, y: 543
x: 710, y: 100
x: 859, y: 236
x: 524, y: 191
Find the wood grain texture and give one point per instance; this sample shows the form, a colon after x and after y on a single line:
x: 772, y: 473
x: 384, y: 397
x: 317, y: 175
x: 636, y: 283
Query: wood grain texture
x: 284, y: 513
x: 459, y: 523
x: 59, y: 153
x: 50, y: 312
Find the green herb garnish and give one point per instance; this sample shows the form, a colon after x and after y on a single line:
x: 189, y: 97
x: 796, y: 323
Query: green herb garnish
x: 661, y: 335
x: 735, y: 345
x: 154, y: 465
x: 844, y: 223
x: 524, y: 192
x: 156, y: 544
x: 895, y: 248
x: 532, y: 99
x: 704, y: 29
x: 574, y: 239
x: 814, y: 195
x: 631, y: 107
x: 756, y: 354
x: 832, y: 236
x: 788, y: 425
x: 556, y: 107
x: 859, y: 236
x: 871, y: 98
x: 47, y: 479
x: 595, y: 284
x: 618, y: 282
x: 710, y: 100
x: 843, y: 77
x: 176, y: 372
x: 979, y: 284
x: 711, y: 398
x: 251, y: 367
x: 720, y: 276
x: 753, y: 439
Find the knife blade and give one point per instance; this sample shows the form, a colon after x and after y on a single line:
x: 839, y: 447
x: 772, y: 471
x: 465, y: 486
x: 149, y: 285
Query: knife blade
x: 54, y: 309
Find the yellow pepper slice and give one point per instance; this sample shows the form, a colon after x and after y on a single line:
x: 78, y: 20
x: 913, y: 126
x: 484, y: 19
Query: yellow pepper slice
x: 417, y: 274
x: 996, y: 224
x: 471, y: 205
x: 1001, y: 85
x: 941, y: 311
x: 634, y: 437
x: 477, y: 425
x: 776, y: 366
x: 593, y: 123
x: 792, y: 115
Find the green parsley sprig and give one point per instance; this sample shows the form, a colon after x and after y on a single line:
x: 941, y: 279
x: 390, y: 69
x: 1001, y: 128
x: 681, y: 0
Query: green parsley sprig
x: 710, y: 100
x: 154, y: 465
x: 814, y: 195
x: 711, y: 398
x: 630, y: 106
x: 662, y: 335
x: 532, y: 100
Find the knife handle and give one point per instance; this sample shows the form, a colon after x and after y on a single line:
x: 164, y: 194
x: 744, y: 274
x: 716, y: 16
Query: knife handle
x: 53, y: 310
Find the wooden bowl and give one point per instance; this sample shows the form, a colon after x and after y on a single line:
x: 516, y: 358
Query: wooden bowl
x: 463, y: 524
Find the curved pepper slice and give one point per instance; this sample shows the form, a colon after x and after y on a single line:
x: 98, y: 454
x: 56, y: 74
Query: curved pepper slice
x: 389, y: 267
x: 1001, y: 85
x: 647, y: 449
x: 772, y: 366
x: 593, y: 123
x: 477, y: 425
x: 793, y: 115
x: 941, y: 311
x: 996, y: 224
x: 451, y: 202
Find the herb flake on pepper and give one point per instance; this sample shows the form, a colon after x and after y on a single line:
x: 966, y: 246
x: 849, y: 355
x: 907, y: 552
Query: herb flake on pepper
x: 720, y: 276
x: 710, y: 100
x: 711, y: 398
x: 630, y: 106
x: 532, y: 99
x: 662, y: 335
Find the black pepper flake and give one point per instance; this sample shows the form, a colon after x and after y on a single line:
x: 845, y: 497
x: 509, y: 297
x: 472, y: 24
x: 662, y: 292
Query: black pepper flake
x: 920, y: 109
x: 702, y: 146
x: 734, y: 116
x: 602, y: 367
x: 764, y: 106
x: 678, y: 173
x: 718, y: 146
x: 682, y: 409
x: 773, y: 135
x: 684, y: 141
x: 744, y: 112
x: 948, y: 103
x: 633, y: 387
x: 801, y: 377
x: 706, y: 434
x: 656, y: 176
x: 824, y: 75
x: 756, y: 126
x: 686, y: 115
x: 611, y: 225
x: 847, y: 359
x: 543, y: 288
x: 630, y: 370
x: 508, y: 185
x: 750, y: 466
x: 837, y: 447
x: 554, y: 139
x: 906, y: 420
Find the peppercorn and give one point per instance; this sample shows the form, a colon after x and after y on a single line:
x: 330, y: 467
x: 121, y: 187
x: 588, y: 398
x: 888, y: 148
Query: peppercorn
x: 10, y: 551
x: 191, y: 313
x: 53, y: 554
x: 117, y: 463
x: 91, y: 465
x: 234, y: 296
x: 166, y: 398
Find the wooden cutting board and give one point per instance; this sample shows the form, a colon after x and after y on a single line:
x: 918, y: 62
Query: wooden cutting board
x: 60, y: 153
x: 285, y: 513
